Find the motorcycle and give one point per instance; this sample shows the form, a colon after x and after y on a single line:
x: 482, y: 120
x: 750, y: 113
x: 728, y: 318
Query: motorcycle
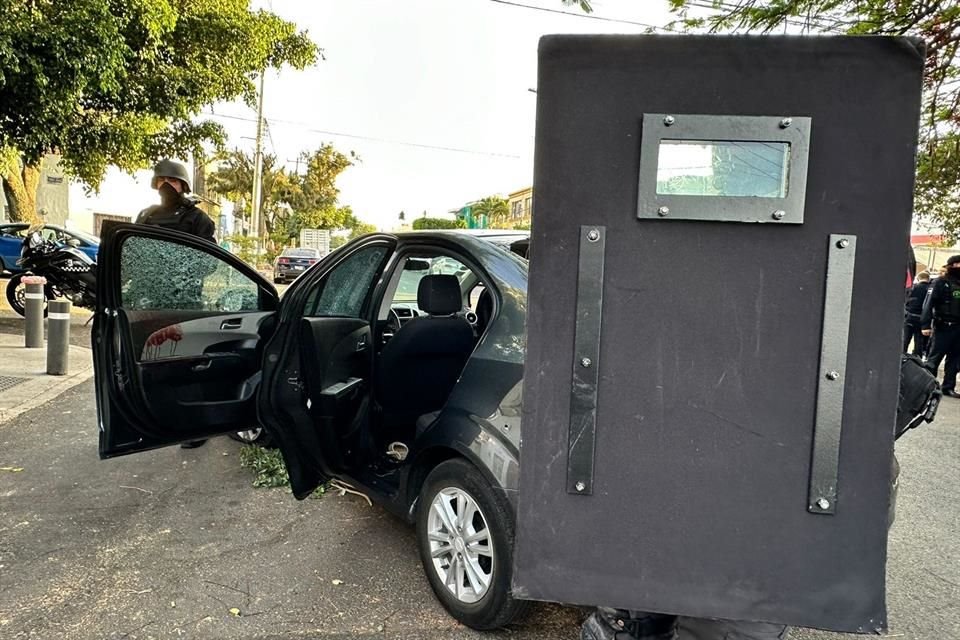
x: 69, y: 272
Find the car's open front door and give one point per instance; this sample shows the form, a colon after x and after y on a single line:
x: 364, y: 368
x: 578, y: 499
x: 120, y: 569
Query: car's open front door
x: 713, y: 336
x: 176, y: 339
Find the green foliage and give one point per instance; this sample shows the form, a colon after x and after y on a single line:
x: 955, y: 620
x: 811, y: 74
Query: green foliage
x: 243, y: 247
x: 583, y: 4
x: 268, y: 467
x: 936, y: 22
x: 438, y: 223
x: 362, y: 229
x: 496, y: 210
x: 120, y: 81
x: 289, y: 202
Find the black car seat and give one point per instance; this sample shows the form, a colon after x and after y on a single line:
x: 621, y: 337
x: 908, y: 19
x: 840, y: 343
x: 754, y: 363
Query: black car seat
x: 422, y: 362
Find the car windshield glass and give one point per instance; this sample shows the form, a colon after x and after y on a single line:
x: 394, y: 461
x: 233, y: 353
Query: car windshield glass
x: 300, y: 253
x: 86, y: 237
x: 410, y: 278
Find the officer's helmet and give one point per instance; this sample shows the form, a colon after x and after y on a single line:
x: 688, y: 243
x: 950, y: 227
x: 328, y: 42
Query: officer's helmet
x: 171, y: 169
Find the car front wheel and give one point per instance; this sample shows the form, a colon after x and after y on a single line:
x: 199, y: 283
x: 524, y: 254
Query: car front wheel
x: 465, y: 533
x: 257, y: 436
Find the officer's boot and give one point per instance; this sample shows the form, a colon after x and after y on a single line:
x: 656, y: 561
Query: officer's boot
x: 617, y: 624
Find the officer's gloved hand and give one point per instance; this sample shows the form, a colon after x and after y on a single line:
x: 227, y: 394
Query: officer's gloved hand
x: 618, y: 624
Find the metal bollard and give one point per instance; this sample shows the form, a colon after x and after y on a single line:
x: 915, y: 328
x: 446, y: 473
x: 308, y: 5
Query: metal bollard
x: 33, y: 311
x: 58, y: 337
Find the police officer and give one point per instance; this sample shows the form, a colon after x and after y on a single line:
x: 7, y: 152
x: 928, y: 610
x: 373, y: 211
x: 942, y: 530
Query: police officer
x: 941, y: 317
x: 913, y: 310
x: 176, y: 211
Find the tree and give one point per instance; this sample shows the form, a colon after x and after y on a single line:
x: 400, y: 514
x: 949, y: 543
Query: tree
x: 314, y: 196
x: 496, y: 210
x: 289, y: 202
x: 402, y: 216
x: 438, y: 223
x: 233, y: 180
x: 937, y: 22
x: 120, y: 81
x: 583, y: 4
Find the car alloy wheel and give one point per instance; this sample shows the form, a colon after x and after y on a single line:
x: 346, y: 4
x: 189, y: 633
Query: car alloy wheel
x: 465, y: 531
x: 460, y: 544
x: 252, y: 436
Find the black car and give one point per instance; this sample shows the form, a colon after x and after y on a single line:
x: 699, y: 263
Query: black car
x: 394, y: 364
x: 292, y: 263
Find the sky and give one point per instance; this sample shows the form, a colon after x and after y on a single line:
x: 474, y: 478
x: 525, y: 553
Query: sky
x: 436, y: 96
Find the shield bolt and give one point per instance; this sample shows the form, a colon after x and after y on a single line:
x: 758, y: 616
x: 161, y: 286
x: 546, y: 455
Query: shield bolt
x: 833, y: 375
x: 585, y: 362
x: 581, y: 486
x: 823, y: 503
x: 669, y: 120
x: 663, y: 211
x: 786, y: 122
x: 593, y: 235
x: 779, y: 214
x: 621, y: 624
x: 843, y: 243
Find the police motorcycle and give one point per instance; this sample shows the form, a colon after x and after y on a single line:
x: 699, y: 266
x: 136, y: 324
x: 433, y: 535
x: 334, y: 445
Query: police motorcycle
x: 69, y: 272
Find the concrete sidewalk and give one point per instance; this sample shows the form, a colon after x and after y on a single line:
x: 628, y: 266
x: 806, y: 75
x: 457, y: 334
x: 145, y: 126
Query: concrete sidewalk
x: 24, y: 383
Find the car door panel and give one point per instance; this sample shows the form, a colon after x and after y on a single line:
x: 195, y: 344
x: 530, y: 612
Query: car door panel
x: 177, y: 339
x: 336, y: 357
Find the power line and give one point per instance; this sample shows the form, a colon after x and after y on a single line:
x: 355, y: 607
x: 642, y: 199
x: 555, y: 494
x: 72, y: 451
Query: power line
x: 587, y: 16
x: 305, y: 127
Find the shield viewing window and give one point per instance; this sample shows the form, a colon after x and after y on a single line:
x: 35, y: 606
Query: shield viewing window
x: 723, y: 168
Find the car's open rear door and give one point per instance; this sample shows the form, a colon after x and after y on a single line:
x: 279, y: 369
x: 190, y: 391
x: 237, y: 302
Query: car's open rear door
x: 715, y: 308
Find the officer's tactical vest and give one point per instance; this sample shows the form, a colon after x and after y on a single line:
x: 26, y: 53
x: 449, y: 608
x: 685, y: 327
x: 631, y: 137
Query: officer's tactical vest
x: 948, y: 309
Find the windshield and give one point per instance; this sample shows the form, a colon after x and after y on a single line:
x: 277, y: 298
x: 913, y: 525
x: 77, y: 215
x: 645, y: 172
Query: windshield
x: 300, y: 253
x: 86, y: 237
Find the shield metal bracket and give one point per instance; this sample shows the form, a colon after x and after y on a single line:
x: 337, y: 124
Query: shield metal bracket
x: 586, y: 361
x: 841, y: 259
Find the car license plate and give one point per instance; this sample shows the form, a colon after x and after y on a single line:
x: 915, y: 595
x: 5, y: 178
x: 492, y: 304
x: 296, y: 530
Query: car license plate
x: 298, y: 268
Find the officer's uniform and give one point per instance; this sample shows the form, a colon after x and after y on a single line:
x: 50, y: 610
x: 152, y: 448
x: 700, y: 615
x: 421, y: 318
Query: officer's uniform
x: 913, y: 311
x: 185, y: 216
x: 941, y: 312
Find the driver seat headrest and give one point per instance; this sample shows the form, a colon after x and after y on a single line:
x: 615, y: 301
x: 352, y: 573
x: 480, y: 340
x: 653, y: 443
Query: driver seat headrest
x: 439, y: 295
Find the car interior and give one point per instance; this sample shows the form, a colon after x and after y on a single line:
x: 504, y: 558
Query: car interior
x: 434, y: 311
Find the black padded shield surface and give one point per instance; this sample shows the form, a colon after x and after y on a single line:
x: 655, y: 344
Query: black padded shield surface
x: 709, y: 350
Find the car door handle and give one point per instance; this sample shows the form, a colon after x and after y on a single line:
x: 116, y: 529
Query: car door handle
x: 362, y: 344
x: 232, y: 323
x: 202, y: 366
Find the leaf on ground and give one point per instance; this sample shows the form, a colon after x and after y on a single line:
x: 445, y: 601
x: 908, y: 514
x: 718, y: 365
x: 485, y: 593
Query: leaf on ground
x: 234, y: 611
x: 337, y: 582
x: 12, y: 469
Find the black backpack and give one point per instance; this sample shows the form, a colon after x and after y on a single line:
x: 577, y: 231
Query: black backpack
x: 919, y: 394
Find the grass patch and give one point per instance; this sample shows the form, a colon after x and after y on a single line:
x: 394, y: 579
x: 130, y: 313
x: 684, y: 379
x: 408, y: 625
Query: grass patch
x: 268, y: 468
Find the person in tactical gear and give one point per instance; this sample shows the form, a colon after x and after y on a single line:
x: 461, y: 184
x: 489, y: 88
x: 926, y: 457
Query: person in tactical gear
x: 175, y: 210
x: 617, y: 624
x: 913, y: 311
x: 177, y: 213
x: 941, y: 318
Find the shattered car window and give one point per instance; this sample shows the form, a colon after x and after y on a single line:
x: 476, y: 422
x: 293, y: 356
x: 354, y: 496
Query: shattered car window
x: 156, y: 274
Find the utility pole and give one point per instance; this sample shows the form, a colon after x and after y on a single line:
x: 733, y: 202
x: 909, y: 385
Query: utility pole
x: 258, y: 172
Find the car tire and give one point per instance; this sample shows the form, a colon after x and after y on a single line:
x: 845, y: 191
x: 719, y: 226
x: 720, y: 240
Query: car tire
x: 258, y: 436
x: 486, y: 561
